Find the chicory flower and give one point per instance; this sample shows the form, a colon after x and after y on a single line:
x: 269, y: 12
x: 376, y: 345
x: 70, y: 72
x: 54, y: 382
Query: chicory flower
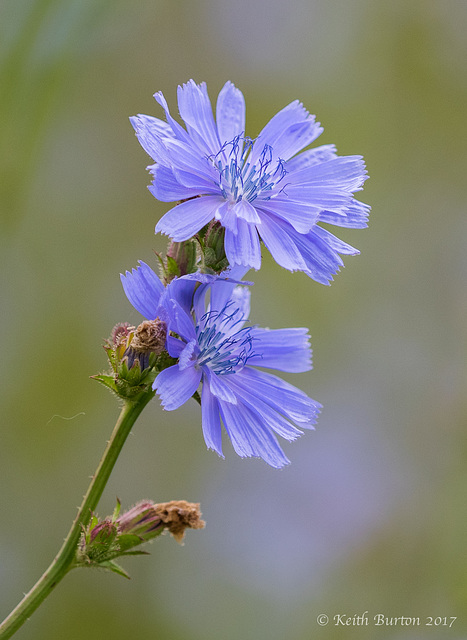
x: 208, y: 334
x: 259, y: 190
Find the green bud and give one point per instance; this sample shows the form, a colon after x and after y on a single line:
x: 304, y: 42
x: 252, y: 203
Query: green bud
x: 215, y: 259
x: 181, y: 258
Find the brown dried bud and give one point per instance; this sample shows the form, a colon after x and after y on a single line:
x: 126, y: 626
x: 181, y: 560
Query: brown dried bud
x: 178, y: 515
x: 150, y: 337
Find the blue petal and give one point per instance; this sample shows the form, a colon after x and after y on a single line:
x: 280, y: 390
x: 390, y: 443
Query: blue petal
x: 175, y: 346
x: 187, y: 218
x: 176, y: 386
x: 296, y: 137
x: 230, y: 113
x: 143, y: 289
x: 151, y: 132
x: 282, y: 247
x: 186, y: 157
x: 181, y: 290
x: 344, y: 173
x: 293, y: 114
x: 195, y: 109
x: 177, y: 130
x: 320, y: 250
x: 241, y: 301
x: 227, y: 217
x: 310, y: 157
x: 331, y: 197
x: 211, y: 422
x: 219, y: 387
x: 355, y: 216
x: 179, y: 320
x: 265, y: 413
x: 301, y: 215
x: 187, y: 356
x: 282, y: 349
x: 244, y: 210
x: 333, y: 243
x: 167, y: 188
x: 291, y: 402
x: 243, y: 248
x: 250, y: 438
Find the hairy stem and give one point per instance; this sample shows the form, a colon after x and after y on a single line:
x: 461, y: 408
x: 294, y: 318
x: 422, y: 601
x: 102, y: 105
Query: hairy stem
x: 63, y: 561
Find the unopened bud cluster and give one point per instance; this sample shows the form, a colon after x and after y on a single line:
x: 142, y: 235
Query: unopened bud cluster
x: 136, y: 355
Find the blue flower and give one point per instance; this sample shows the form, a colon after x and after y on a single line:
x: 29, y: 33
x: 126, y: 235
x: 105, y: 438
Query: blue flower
x: 208, y: 334
x: 257, y: 189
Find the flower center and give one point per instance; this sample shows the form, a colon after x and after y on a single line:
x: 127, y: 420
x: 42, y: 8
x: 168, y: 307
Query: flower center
x: 223, y: 349
x: 238, y: 179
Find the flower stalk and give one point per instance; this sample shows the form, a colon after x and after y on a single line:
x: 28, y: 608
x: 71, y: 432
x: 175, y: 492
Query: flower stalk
x: 64, y: 560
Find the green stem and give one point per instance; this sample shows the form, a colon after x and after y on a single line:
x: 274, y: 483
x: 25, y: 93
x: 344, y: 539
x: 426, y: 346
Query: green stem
x: 63, y: 561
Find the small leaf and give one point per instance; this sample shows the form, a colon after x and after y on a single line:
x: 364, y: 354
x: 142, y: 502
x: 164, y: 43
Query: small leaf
x: 107, y: 381
x: 116, y: 568
x: 172, y: 267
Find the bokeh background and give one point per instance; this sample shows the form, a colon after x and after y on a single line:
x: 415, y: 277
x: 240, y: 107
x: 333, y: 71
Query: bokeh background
x: 371, y: 515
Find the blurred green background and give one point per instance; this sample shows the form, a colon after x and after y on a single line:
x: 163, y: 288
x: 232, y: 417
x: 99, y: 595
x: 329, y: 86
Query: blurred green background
x: 372, y: 513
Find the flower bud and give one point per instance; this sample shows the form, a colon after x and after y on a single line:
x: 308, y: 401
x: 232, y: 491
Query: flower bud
x: 135, y: 355
x: 214, y: 252
x: 104, y: 540
x: 181, y: 258
x: 148, y: 338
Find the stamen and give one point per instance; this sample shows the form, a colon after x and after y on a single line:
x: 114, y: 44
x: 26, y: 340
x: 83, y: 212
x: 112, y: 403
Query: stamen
x: 238, y: 179
x: 222, y: 350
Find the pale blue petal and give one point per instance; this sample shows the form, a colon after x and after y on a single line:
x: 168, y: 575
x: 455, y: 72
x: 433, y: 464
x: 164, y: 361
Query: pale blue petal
x: 188, y: 158
x: 180, y: 321
x: 167, y: 188
x: 144, y: 290
x: 250, y: 438
x: 175, y: 346
x: 296, y: 137
x: 355, y: 216
x: 301, y: 215
x: 282, y: 349
x: 211, y: 422
x: 265, y: 413
x: 241, y: 300
x: 282, y: 247
x: 187, y: 218
x: 177, y: 130
x: 244, y: 210
x: 330, y: 240
x: 310, y: 157
x: 219, y: 387
x: 230, y: 113
x: 324, y: 197
x: 227, y: 217
x: 188, y: 355
x: 205, y: 184
x: 291, y: 402
x: 322, y: 259
x: 175, y: 386
x: 344, y: 173
x: 292, y: 114
x: 195, y: 109
x: 275, y: 236
x: 243, y: 248
x: 151, y: 133
x: 181, y: 290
